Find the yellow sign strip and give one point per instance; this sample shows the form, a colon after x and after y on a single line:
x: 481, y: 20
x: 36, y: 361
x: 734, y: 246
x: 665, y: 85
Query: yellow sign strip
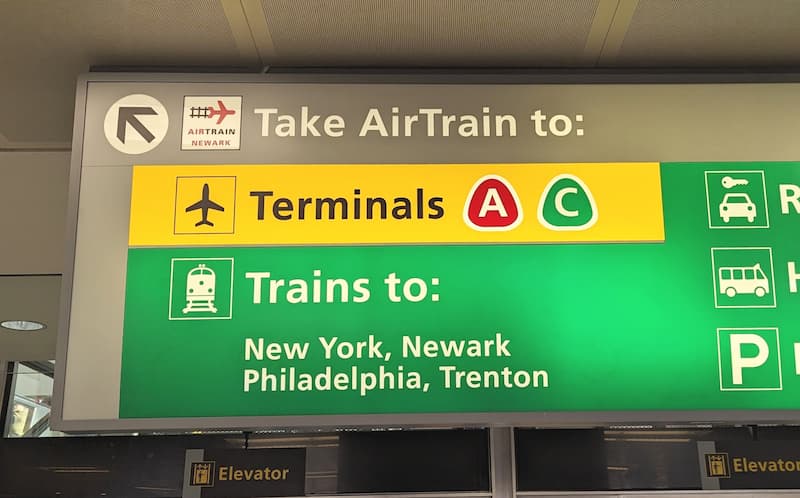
x: 395, y: 204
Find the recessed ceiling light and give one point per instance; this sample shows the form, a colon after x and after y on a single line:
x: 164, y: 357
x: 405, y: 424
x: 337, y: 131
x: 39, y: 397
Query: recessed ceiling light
x: 22, y: 325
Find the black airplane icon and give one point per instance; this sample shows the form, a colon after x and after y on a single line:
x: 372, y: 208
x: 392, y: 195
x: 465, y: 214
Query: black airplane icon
x: 205, y: 204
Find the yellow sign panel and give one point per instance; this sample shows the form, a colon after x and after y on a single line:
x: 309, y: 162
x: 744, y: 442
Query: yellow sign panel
x: 395, y: 204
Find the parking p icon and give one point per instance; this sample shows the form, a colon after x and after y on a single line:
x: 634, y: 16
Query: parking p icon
x: 749, y: 359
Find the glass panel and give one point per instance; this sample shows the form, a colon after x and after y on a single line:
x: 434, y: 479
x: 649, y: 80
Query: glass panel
x: 29, y: 401
x: 616, y: 459
x: 431, y: 461
x: 154, y: 466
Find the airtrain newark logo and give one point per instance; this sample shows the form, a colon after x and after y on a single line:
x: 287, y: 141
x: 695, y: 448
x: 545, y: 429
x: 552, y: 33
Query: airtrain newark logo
x: 211, y: 123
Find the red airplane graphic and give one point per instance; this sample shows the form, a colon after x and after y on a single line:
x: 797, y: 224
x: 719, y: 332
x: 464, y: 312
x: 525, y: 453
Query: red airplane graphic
x: 222, y: 112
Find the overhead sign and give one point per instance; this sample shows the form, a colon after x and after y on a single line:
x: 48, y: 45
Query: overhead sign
x: 749, y: 464
x: 216, y: 472
x: 289, y: 251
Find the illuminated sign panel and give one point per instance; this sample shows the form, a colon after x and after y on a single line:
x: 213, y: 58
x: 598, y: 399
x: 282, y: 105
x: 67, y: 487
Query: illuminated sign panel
x: 343, y: 289
x: 395, y: 204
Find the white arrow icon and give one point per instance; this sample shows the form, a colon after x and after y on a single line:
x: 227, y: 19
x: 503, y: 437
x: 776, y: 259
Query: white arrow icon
x: 136, y: 124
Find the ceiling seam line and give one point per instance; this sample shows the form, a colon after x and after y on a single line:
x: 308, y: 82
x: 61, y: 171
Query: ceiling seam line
x: 605, y: 37
x: 22, y: 275
x: 252, y: 35
x: 617, y: 31
x: 34, y: 148
x: 598, y: 30
x: 257, y: 20
x: 240, y: 29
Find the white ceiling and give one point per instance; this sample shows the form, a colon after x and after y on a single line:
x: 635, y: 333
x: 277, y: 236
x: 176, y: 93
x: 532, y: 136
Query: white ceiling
x: 51, y: 42
x: 48, y: 43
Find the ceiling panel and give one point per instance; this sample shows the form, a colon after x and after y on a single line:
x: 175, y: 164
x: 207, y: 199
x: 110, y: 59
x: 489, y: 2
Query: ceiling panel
x: 49, y: 43
x: 429, y: 33
x: 29, y: 298
x: 717, y: 33
x: 33, y: 210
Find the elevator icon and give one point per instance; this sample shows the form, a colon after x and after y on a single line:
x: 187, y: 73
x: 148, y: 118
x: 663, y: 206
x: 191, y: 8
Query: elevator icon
x: 717, y: 465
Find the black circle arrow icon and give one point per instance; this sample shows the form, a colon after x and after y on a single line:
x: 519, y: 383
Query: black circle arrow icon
x: 128, y: 115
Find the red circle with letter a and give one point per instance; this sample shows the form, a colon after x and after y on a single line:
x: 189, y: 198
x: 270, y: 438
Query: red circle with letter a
x: 492, y: 205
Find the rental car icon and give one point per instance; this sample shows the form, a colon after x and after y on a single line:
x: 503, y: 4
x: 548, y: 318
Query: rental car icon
x: 737, y: 205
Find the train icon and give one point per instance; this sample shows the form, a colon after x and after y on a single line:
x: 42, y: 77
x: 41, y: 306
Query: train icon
x: 200, y: 290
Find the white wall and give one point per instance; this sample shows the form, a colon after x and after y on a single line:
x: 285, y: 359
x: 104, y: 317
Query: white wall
x: 33, y: 204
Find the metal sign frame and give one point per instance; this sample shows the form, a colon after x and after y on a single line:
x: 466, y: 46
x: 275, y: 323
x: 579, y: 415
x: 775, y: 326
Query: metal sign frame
x: 492, y: 419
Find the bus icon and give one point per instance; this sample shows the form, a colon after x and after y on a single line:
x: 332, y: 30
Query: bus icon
x: 744, y: 277
x: 735, y: 280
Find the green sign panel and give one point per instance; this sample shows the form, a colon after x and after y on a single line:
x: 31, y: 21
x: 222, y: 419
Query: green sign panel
x: 706, y: 320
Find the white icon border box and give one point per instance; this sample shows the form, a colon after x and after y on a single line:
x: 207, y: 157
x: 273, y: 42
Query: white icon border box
x: 780, y: 364
x: 172, y: 279
x: 763, y: 191
x: 772, y: 280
